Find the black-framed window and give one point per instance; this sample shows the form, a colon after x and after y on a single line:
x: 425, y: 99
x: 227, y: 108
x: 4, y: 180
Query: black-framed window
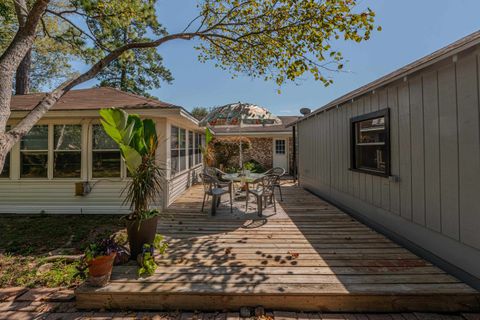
x: 370, y: 143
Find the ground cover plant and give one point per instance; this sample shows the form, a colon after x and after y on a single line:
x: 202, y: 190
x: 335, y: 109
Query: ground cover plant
x: 44, y: 250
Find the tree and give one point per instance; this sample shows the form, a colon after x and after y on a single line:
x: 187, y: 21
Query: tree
x: 271, y: 39
x: 199, y: 112
x: 140, y: 70
x: 48, y: 61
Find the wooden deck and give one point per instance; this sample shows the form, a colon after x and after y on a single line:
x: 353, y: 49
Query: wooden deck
x: 310, y: 256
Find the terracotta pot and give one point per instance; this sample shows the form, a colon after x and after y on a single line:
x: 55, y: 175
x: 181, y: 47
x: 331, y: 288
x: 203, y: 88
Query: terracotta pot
x: 138, y: 236
x: 101, y: 266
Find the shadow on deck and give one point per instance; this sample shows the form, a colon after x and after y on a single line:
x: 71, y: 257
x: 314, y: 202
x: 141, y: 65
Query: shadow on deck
x: 308, y: 256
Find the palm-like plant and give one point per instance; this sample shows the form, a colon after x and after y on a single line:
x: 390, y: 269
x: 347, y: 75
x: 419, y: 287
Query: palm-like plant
x: 137, y: 140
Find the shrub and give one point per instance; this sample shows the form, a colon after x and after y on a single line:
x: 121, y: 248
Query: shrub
x: 253, y: 166
x: 226, y: 149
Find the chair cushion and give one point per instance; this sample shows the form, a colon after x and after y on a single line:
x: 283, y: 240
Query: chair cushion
x: 218, y: 191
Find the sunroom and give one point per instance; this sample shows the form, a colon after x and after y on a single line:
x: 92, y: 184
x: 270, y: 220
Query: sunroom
x: 67, y: 164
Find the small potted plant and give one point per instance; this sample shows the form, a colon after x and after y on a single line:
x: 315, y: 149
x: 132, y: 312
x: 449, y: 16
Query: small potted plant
x: 137, y: 140
x: 99, y: 258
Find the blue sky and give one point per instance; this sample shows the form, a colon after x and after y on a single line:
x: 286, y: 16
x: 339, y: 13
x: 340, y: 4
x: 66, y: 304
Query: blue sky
x: 411, y: 29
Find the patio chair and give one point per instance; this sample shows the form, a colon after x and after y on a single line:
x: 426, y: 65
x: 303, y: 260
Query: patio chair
x: 264, y: 189
x: 215, y: 188
x: 280, y: 172
x: 217, y: 173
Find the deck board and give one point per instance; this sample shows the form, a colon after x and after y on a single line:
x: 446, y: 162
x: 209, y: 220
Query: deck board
x: 309, y: 256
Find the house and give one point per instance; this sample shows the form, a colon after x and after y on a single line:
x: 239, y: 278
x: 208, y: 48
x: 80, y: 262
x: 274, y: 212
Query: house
x: 403, y: 154
x: 271, y: 144
x: 67, y: 164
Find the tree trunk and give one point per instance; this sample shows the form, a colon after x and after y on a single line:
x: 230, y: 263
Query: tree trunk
x: 22, y: 77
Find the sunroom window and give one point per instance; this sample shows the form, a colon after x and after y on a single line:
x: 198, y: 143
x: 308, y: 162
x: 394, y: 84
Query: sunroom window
x: 67, y: 153
x: 371, y: 143
x: 178, y: 150
x: 6, y: 166
x: 191, y: 143
x: 198, y: 145
x: 106, y: 159
x: 34, y: 153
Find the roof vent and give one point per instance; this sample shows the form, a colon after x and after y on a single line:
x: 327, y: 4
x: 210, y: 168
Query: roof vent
x: 305, y: 111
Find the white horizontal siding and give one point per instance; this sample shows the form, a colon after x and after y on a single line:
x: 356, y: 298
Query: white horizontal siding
x: 52, y: 196
x: 181, y: 182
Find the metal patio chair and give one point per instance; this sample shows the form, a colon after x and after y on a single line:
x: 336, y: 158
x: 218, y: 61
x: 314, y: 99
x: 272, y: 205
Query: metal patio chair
x: 263, y: 190
x: 280, y: 172
x: 215, y: 188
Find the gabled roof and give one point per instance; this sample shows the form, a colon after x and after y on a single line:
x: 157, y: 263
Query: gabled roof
x: 450, y: 50
x: 90, y: 99
x: 278, y: 128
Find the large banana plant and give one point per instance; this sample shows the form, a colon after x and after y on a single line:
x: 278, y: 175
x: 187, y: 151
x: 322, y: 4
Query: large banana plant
x: 138, y: 142
x: 136, y: 138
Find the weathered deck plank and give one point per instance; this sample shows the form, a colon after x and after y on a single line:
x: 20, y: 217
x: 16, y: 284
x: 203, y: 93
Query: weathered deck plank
x: 310, y: 256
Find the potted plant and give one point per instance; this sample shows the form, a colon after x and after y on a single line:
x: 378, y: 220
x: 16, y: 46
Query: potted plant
x: 137, y: 140
x: 99, y: 258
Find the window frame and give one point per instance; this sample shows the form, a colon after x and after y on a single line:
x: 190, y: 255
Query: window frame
x: 284, y: 146
x: 9, y: 159
x: 121, y: 176
x: 80, y: 151
x: 43, y: 151
x: 353, y: 141
x: 179, y: 150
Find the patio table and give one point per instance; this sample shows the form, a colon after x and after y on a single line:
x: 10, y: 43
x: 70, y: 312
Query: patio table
x: 243, y: 179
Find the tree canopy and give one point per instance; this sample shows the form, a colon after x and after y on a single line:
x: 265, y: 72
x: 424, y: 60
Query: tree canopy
x: 199, y: 112
x: 278, y: 40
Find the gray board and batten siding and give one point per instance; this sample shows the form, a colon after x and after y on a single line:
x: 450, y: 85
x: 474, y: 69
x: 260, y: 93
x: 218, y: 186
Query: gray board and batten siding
x: 431, y: 198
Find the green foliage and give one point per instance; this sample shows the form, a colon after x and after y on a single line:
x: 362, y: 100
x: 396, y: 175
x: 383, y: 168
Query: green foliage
x: 199, y: 112
x: 138, y: 141
x: 136, y: 138
x: 228, y: 148
x: 160, y: 244
x: 26, y: 241
x: 254, y: 166
x: 281, y: 40
x: 148, y: 264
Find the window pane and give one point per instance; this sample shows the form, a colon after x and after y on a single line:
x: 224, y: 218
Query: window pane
x: 36, y: 139
x: 371, y: 131
x: 106, y: 164
x: 371, y: 158
x: 67, y: 137
x: 182, y: 139
x: 33, y: 164
x: 280, y: 146
x: 101, y: 140
x: 174, y: 138
x: 174, y: 161
x: 67, y: 164
x: 6, y: 167
x: 191, y: 144
x: 183, y: 160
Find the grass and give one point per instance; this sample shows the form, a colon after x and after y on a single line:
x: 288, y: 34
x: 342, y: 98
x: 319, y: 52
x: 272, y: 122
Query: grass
x: 26, y: 241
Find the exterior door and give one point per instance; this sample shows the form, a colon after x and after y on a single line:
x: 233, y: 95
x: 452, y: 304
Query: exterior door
x: 280, y: 153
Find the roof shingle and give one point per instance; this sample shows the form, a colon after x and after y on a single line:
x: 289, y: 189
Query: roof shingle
x: 89, y: 99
